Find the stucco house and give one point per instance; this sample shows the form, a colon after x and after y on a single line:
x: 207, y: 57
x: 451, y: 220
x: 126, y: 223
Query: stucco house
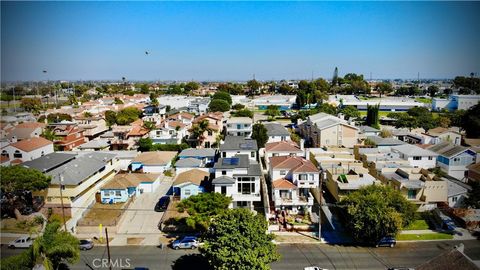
x: 26, y: 150
x: 277, y: 132
x: 191, y: 182
x: 454, y: 159
x: 126, y: 185
x: 153, y: 162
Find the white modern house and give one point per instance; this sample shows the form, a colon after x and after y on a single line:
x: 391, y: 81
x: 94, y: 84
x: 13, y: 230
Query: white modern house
x: 239, y: 126
x: 454, y: 159
x: 239, y: 145
x: 416, y: 156
x: 239, y: 178
x: 26, y: 150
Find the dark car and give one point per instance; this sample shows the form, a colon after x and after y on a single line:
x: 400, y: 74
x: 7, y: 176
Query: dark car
x: 162, y: 204
x: 387, y: 241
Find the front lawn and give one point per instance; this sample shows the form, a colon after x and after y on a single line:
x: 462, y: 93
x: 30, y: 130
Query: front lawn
x: 424, y: 100
x: 425, y: 236
x: 419, y: 224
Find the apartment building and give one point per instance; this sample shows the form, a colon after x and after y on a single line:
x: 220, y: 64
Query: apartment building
x: 68, y: 135
x: 416, y: 156
x: 454, y: 159
x: 239, y: 126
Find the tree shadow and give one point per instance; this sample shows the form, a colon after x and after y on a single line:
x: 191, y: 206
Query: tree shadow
x: 191, y: 261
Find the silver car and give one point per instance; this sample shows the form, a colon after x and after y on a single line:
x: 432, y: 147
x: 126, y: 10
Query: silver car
x: 86, y: 244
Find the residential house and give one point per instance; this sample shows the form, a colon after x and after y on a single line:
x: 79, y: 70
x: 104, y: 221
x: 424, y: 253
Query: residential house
x: 323, y: 129
x: 126, y: 185
x: 457, y: 193
x: 419, y: 186
x: 126, y: 137
x: 92, y: 126
x: 154, y: 113
x: 95, y: 145
x: 283, y: 148
x: 277, y: 132
x: 182, y: 117
x: 153, y: 162
x: 199, y: 105
x: 327, y: 157
x: 440, y: 134
x: 384, y: 142
x: 454, y: 159
x: 239, y: 126
x: 23, y: 131
x: 473, y: 174
x: 381, y: 160
x: 196, y: 158
x: 367, y: 131
x: 238, y: 145
x: 68, y: 135
x: 452, y: 258
x: 343, y: 179
x: 191, y: 182
x: 26, y: 150
x: 301, y: 175
x: 416, y: 156
x: 169, y: 132
x: 79, y: 176
x: 406, y: 136
x: 211, y: 137
x: 238, y: 177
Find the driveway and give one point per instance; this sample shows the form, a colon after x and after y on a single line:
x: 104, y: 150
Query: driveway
x: 140, y: 218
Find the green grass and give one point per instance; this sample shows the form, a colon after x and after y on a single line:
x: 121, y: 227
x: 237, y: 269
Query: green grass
x: 424, y: 100
x: 425, y: 236
x: 419, y: 224
x: 380, y: 114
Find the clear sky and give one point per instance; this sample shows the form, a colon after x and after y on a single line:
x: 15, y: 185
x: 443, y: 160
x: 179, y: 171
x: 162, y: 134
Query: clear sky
x: 234, y: 40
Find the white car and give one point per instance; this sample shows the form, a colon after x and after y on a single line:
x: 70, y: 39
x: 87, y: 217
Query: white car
x: 314, y: 268
x: 22, y: 242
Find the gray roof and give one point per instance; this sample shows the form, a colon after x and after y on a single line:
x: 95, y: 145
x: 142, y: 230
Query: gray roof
x: 194, y: 152
x: 447, y: 149
x: 188, y: 162
x: 455, y: 189
x: 50, y: 161
x: 276, y: 129
x: 81, y: 168
x: 368, y: 129
x: 385, y: 141
x: 241, y: 161
x: 223, y: 180
x: 95, y: 144
x: 412, y: 150
x: 254, y: 170
x: 238, y: 143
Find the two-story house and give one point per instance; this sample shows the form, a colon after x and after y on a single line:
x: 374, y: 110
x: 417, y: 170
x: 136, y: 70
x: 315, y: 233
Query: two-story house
x: 67, y: 135
x: 154, y: 113
x: 416, y: 156
x: 210, y: 137
x: 276, y: 132
x: 23, y: 131
x: 126, y: 137
x: 454, y: 159
x: 26, y: 150
x: 323, y: 129
x: 196, y: 158
x: 169, y: 132
x: 238, y: 177
x: 292, y: 178
x: 92, y: 126
x: 343, y: 179
x: 238, y: 145
x: 239, y: 126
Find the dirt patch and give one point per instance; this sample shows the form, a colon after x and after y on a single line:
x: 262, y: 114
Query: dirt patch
x: 27, y: 225
x: 134, y: 240
x: 105, y: 214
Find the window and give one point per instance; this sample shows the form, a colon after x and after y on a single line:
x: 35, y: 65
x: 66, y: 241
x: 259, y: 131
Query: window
x: 239, y: 126
x: 430, y: 158
x: 42, y: 154
x: 417, y: 158
x: 17, y: 154
x: 285, y: 194
x: 5, y: 154
x: 207, y: 144
x: 241, y: 204
x: 283, y: 172
x: 252, y: 154
x: 303, y: 177
x: 246, y: 185
x: 454, y: 199
x: 224, y: 172
x: 224, y: 154
x: 224, y: 190
x: 118, y: 193
x: 187, y: 192
x: 210, y: 133
x: 412, y: 194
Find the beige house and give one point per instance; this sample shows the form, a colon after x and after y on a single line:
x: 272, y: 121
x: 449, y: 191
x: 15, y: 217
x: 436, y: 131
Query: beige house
x: 92, y: 126
x: 344, y: 179
x: 210, y: 138
x: 323, y: 129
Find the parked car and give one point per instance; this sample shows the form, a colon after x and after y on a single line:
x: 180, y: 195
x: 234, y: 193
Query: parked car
x: 387, y: 241
x: 185, y: 242
x: 86, y: 244
x: 22, y: 242
x: 314, y: 268
x: 162, y: 204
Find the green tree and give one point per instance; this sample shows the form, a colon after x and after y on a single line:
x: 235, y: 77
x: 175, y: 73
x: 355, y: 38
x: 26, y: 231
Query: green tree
x: 376, y: 211
x: 127, y: 115
x: 87, y: 114
x: 254, y: 86
x: 237, y: 239
x: 118, y: 101
x: 272, y: 110
x: 285, y: 89
x: 443, y: 121
x: 191, y: 86
x: 218, y: 105
x: 238, y: 106
x: 153, y: 99
x: 145, y: 144
x: 202, y: 208
x: 259, y: 133
x: 383, y: 88
x: 350, y: 112
x: 473, y: 199
x: 31, y: 104
x: 225, y: 96
x: 198, y: 130
x: 49, y: 134
x: 471, y: 122
x: 432, y: 90
x: 149, y: 125
x: 55, y: 247
x: 327, y: 108
x: 243, y: 113
x: 372, y: 116
x: 111, y: 118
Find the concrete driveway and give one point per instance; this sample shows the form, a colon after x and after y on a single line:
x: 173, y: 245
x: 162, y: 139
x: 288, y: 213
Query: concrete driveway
x: 140, y: 218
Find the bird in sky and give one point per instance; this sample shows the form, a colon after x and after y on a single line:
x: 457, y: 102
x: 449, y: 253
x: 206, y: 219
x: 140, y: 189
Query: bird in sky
x: 146, y: 52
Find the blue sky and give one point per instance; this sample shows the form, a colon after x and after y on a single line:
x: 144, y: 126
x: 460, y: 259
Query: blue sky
x: 234, y: 40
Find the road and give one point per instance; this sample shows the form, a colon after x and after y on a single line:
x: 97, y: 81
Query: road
x: 295, y: 256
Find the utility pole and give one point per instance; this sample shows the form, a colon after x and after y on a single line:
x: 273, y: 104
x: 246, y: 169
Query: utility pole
x: 108, y: 250
x: 61, y: 200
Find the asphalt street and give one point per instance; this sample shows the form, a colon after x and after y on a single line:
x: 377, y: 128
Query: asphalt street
x: 294, y: 256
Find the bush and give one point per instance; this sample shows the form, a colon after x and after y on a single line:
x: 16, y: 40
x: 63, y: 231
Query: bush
x: 243, y: 113
x: 238, y: 106
x: 223, y: 96
x: 219, y: 105
x: 21, y: 261
x: 169, y: 147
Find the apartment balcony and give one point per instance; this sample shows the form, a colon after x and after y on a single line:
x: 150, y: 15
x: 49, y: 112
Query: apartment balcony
x: 295, y: 201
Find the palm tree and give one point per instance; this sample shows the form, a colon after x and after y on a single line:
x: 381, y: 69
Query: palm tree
x: 199, y: 129
x: 49, y: 135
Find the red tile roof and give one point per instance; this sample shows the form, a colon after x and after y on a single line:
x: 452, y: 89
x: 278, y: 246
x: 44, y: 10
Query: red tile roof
x: 282, y: 183
x: 295, y: 164
x: 31, y: 144
x: 283, y: 146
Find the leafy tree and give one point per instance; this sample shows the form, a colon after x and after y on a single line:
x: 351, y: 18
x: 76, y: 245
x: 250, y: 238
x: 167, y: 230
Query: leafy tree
x: 153, y: 99
x: 31, y: 104
x: 16, y: 178
x: 237, y: 239
x: 404, y: 120
x: 253, y: 85
x: 432, y: 90
x: 327, y: 108
x: 335, y: 80
x: 110, y: 117
x: 225, y: 96
x: 202, y: 208
x: 49, y: 134
x: 285, y: 89
x: 149, y: 125
x: 385, y: 133
x: 383, y: 88
x: 471, y: 122
x: 190, y: 86
x: 145, y: 144
x: 376, y: 211
x: 350, y: 112
x: 127, y: 115
x: 87, y: 114
x: 55, y: 247
x: 444, y: 121
x: 259, y: 133
x: 322, y: 85
x: 218, y: 105
x: 118, y: 101
x: 198, y: 130
x: 238, y: 106
x: 469, y: 83
x: 473, y: 199
x: 272, y: 111
x: 372, y: 116
x: 243, y: 113
x: 423, y: 117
